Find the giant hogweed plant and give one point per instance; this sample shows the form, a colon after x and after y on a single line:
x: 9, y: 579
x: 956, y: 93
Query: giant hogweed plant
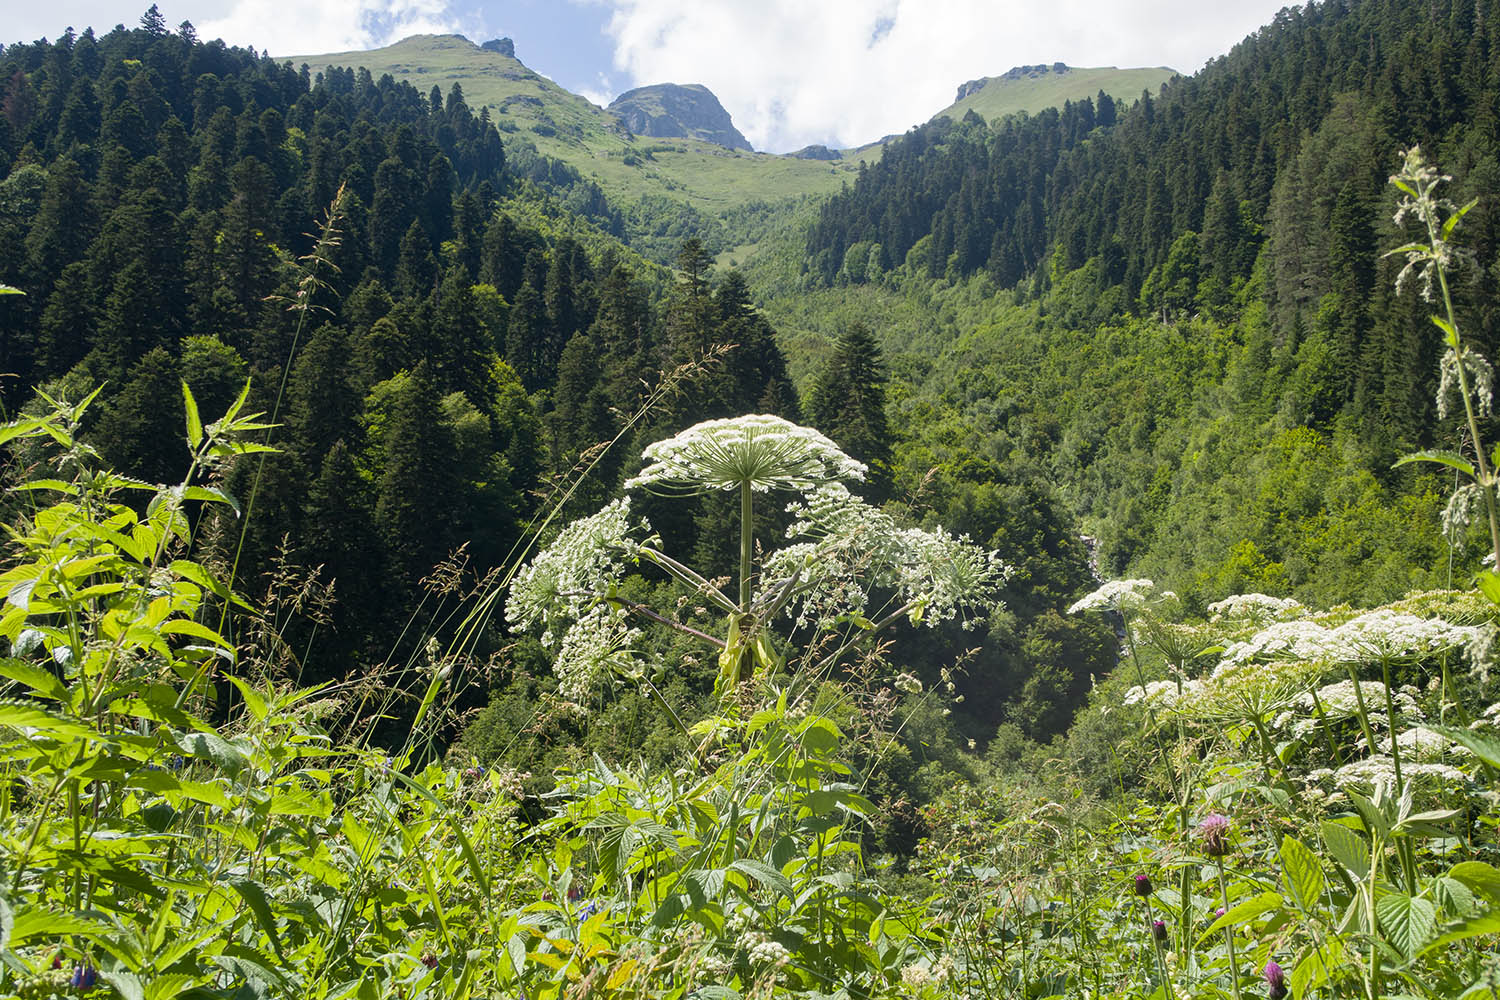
x: 1315, y: 815
x: 845, y: 556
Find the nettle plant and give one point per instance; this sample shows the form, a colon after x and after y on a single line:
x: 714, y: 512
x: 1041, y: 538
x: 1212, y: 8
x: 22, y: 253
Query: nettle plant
x: 848, y: 567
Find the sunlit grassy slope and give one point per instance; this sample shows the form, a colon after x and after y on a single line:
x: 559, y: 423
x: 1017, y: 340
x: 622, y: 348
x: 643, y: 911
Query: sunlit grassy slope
x: 531, y: 108
x: 1031, y: 92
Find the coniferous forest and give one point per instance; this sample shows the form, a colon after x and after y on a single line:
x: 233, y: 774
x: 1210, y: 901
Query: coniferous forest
x: 1059, y: 563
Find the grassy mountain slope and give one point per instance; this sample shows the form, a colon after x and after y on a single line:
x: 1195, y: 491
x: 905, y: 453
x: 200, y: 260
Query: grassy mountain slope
x: 530, y: 108
x: 1019, y: 91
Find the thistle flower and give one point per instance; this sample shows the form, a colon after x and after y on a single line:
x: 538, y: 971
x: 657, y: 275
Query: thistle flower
x: 1159, y: 931
x: 1275, y: 980
x: 1215, y: 833
x: 1143, y: 885
x: 765, y: 452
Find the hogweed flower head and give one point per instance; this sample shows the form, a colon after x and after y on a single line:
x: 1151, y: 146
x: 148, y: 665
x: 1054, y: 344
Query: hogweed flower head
x: 1256, y: 607
x: 759, y: 450
x: 855, y: 547
x: 1116, y: 595
x: 567, y: 578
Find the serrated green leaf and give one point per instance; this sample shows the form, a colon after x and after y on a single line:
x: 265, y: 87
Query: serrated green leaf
x: 1485, y: 749
x: 1407, y: 921
x: 1244, y: 911
x: 1482, y: 878
x: 1301, y: 874
x: 194, y: 423
x: 1349, y: 848
x: 1478, y: 926
x: 765, y: 874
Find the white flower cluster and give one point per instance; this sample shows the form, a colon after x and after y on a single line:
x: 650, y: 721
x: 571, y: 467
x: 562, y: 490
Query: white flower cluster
x: 1293, y: 640
x: 768, y: 952
x: 767, y: 452
x: 566, y: 579
x: 1459, y: 513
x: 595, y: 645
x: 857, y: 547
x: 1376, y: 635
x: 907, y: 683
x: 1164, y: 696
x: 1256, y: 607
x: 1382, y: 770
x: 1421, y: 744
x: 1116, y: 595
x: 1387, y: 634
x: 1481, y: 381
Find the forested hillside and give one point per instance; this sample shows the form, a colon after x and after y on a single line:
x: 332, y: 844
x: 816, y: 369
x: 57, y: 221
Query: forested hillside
x: 435, y: 354
x: 1173, y: 304
x: 411, y: 588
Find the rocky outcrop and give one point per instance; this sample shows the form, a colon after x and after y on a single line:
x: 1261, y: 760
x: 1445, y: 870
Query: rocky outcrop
x: 673, y: 111
x: 817, y: 152
x: 504, y: 46
x: 1014, y: 73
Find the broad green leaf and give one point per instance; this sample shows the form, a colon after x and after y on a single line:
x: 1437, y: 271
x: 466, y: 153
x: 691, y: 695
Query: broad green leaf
x: 1406, y: 920
x: 1487, y: 750
x: 1301, y: 874
x: 1451, y: 459
x: 1313, y: 970
x: 1349, y: 848
x: 764, y: 873
x: 1482, y: 878
x: 254, y: 895
x: 1478, y: 926
x: 1244, y: 911
x: 194, y: 423
x: 42, y: 682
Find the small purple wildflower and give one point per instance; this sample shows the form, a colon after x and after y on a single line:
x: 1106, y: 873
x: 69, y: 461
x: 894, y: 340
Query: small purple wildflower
x: 1275, y: 980
x: 1215, y: 833
x: 1159, y: 931
x: 84, y: 976
x: 1143, y: 885
x: 1218, y: 913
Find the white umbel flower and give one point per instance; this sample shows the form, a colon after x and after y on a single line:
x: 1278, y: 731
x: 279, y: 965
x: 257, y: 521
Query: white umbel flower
x: 766, y: 452
x: 1256, y: 607
x: 856, y: 548
x: 1116, y: 595
x: 566, y: 579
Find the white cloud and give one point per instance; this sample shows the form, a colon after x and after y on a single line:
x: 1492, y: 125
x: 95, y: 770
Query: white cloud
x: 846, y: 72
x: 311, y: 26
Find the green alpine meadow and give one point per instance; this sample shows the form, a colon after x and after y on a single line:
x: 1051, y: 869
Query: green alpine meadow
x: 464, y: 540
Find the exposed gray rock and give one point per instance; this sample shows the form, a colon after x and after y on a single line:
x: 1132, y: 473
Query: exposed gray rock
x: 817, y: 152
x: 504, y: 46
x: 674, y: 111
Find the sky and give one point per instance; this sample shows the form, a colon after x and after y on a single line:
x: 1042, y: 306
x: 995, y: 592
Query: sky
x: 790, y: 72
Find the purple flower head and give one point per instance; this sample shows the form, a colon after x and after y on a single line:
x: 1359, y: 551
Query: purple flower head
x: 1215, y: 833
x: 84, y: 976
x: 1276, y: 980
x: 1143, y: 885
x: 1218, y: 913
x: 1159, y: 931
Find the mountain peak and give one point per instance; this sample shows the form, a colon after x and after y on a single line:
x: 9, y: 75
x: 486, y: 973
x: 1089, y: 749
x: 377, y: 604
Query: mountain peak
x: 672, y: 110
